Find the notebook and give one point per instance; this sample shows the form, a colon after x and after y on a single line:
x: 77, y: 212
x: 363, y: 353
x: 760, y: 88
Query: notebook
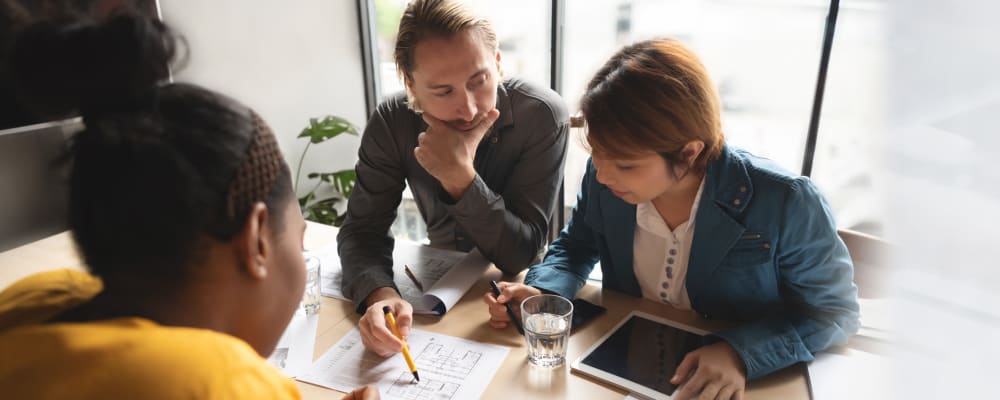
x: 439, y: 277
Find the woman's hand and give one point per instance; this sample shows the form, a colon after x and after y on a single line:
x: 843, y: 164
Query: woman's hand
x: 369, y: 392
x: 513, y: 293
x: 719, y: 373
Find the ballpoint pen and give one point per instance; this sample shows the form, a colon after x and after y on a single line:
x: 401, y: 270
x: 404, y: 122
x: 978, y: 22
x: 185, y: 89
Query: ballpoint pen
x: 510, y: 311
x: 406, y: 349
x: 409, y: 273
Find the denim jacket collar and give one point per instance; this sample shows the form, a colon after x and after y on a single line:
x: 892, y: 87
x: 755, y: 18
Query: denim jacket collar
x: 717, y: 226
x: 728, y: 191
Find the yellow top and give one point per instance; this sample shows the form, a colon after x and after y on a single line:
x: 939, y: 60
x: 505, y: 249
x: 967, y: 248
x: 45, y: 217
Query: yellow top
x: 131, y: 358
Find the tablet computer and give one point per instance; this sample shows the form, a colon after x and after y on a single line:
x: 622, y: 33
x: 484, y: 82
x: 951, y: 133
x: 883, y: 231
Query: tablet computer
x: 640, y: 354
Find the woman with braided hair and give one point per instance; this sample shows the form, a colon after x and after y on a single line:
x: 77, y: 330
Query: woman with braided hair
x: 182, y: 209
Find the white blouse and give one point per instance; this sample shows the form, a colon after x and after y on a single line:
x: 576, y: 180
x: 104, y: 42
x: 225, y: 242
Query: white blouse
x: 660, y: 256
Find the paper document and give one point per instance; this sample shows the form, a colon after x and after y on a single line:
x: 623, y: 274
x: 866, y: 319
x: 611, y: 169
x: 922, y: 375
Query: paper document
x: 857, y: 375
x: 444, y: 274
x: 450, y: 368
x: 293, y: 354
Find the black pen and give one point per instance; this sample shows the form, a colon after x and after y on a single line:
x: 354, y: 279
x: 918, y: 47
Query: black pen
x: 510, y: 311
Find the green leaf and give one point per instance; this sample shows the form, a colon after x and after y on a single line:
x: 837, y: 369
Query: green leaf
x: 323, y: 210
x: 321, y: 130
x: 305, y: 199
x: 324, y: 213
x: 342, y: 181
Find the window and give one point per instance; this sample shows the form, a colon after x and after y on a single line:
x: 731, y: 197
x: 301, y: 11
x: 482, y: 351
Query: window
x: 852, y: 129
x: 522, y: 28
x: 762, y: 55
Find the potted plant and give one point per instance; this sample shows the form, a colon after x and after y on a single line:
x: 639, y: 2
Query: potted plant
x: 320, y: 203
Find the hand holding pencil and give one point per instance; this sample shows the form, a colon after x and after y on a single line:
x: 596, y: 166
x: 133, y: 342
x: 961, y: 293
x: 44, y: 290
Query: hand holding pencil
x: 406, y: 349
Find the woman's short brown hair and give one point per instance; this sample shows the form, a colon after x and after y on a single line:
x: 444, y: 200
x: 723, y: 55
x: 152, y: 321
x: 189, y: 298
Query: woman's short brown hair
x: 653, y: 95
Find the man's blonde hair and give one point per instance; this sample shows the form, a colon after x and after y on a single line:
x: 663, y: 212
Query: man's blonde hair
x: 424, y: 19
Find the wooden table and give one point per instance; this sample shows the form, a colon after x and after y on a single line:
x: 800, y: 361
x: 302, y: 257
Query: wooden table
x: 468, y: 319
x: 516, y: 378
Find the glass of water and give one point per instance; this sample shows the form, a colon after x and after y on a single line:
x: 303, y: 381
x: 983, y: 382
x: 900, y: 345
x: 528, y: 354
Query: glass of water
x: 547, y: 320
x: 311, y: 296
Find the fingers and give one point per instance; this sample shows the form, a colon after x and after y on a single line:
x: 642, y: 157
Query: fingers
x: 684, y: 369
x: 369, y: 392
x: 692, y: 387
x: 404, y: 318
x: 688, y: 386
x: 491, y: 117
x: 507, y: 291
x: 484, y: 126
x: 431, y: 121
x: 498, y: 313
x: 375, y: 333
x: 710, y: 391
x: 516, y: 292
x: 510, y: 293
x: 419, y: 155
x: 434, y: 123
x: 727, y: 393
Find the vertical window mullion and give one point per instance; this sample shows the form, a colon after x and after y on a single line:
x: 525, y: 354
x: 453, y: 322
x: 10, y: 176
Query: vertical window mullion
x: 824, y: 64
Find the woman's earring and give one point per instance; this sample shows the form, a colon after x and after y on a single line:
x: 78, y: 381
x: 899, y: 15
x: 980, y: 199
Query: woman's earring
x: 261, y: 270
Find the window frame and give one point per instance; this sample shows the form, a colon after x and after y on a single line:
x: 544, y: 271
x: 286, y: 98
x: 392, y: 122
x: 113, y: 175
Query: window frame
x: 366, y: 30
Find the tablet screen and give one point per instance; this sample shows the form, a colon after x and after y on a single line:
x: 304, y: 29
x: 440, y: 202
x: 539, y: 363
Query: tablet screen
x: 645, y: 352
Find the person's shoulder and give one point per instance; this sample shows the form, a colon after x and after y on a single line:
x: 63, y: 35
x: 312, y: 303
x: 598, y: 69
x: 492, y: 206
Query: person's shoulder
x: 763, y: 170
x: 772, y: 181
x: 212, y: 350
x: 394, y: 103
x: 392, y: 116
x: 39, y: 296
x: 531, y: 100
x: 205, y: 360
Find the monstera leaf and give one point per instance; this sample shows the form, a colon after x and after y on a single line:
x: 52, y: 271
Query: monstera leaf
x: 320, y: 203
x: 326, y: 128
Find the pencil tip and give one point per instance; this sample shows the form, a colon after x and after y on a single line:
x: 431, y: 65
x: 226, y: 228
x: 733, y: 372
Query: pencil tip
x: 415, y: 376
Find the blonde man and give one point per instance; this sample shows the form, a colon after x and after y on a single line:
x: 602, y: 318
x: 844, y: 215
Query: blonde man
x: 483, y: 157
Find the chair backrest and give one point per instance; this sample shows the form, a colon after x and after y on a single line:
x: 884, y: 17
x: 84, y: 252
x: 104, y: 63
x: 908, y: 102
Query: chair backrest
x: 871, y: 262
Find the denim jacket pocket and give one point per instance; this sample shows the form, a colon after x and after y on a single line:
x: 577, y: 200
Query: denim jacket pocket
x: 745, y: 283
x: 751, y: 250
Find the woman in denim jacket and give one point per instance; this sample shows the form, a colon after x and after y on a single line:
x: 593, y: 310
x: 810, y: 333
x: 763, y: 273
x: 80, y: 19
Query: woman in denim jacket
x: 675, y: 215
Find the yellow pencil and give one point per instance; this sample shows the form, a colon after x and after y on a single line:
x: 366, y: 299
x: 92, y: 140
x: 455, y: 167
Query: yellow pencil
x: 406, y: 349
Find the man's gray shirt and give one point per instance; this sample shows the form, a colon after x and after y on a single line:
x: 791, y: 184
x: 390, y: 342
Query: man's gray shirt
x: 505, y: 212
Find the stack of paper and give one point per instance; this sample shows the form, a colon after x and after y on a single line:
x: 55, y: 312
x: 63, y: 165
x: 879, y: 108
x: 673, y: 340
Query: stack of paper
x: 293, y: 354
x: 444, y: 275
x: 450, y: 368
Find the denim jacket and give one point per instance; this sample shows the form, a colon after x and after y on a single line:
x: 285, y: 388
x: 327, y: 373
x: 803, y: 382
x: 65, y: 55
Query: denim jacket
x: 765, y: 253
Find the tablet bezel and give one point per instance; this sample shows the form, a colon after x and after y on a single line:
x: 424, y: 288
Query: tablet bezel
x: 622, y: 382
